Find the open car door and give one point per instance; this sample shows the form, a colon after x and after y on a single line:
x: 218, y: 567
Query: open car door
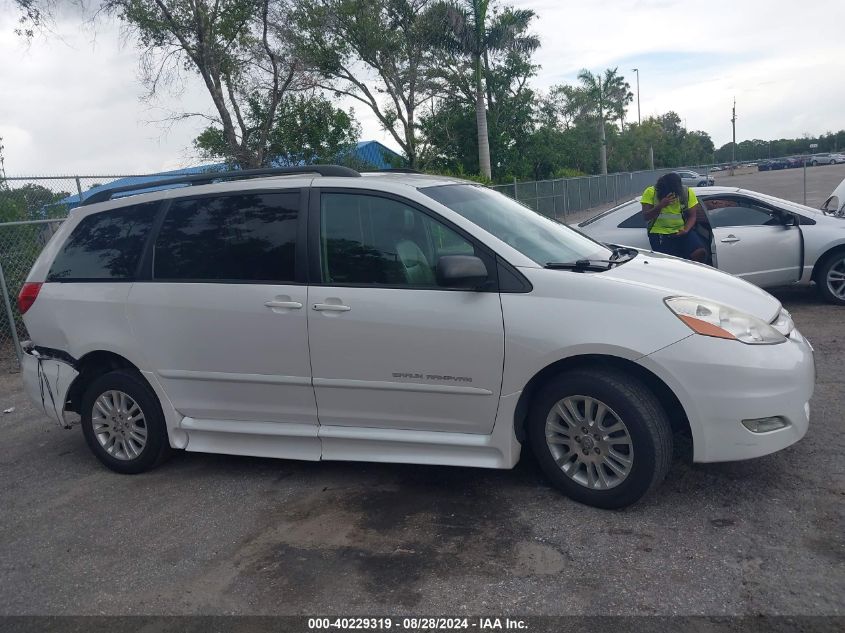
x: 759, y: 244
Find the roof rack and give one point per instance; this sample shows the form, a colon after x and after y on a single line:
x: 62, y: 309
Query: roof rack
x: 212, y: 176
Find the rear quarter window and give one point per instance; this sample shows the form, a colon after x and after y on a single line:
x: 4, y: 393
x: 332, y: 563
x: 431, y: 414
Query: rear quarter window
x: 105, y: 246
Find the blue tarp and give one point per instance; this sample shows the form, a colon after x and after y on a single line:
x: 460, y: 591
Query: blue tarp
x: 370, y: 152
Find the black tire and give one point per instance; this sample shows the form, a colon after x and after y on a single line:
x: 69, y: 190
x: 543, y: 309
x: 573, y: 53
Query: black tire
x: 156, y: 448
x: 833, y: 259
x: 639, y: 410
x: 703, y: 183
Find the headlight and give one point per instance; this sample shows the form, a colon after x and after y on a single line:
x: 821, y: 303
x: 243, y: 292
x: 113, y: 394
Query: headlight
x: 783, y: 322
x: 714, y: 319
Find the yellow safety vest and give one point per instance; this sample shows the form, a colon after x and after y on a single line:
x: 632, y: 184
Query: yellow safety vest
x: 671, y: 218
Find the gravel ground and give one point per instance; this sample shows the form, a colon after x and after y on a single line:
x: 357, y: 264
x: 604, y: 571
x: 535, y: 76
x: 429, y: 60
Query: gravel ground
x: 207, y: 534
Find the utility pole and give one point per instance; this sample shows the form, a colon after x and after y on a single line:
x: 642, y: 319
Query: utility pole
x: 733, y: 145
x: 637, y: 70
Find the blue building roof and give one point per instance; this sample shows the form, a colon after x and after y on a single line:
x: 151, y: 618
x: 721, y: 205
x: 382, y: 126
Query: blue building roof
x: 378, y: 155
x: 370, y: 152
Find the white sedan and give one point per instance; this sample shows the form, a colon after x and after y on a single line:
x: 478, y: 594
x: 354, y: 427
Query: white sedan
x: 694, y: 179
x: 762, y: 239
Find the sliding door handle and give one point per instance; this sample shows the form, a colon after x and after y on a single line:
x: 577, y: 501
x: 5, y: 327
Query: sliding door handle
x: 330, y: 307
x: 730, y: 238
x: 291, y: 305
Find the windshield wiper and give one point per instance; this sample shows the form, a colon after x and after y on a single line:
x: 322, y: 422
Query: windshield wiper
x: 621, y: 254
x: 581, y: 264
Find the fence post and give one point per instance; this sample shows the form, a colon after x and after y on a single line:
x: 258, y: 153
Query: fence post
x: 9, y: 314
x: 78, y: 188
x: 565, y: 201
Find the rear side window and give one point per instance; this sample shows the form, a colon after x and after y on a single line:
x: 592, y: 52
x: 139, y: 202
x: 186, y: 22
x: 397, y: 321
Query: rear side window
x: 636, y: 220
x: 105, y: 245
x: 243, y: 237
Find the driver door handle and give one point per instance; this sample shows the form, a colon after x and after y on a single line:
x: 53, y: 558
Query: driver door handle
x: 730, y: 238
x: 330, y: 307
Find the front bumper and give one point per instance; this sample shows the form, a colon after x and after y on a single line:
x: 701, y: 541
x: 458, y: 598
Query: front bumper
x: 721, y: 382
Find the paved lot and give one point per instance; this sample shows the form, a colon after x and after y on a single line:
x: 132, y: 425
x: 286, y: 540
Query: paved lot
x: 217, y: 534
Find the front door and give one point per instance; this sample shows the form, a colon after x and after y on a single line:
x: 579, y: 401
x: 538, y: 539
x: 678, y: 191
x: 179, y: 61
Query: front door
x: 223, y: 323
x: 756, y: 243
x: 389, y: 348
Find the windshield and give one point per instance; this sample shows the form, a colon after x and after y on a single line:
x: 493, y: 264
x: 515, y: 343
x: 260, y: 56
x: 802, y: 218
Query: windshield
x: 535, y: 236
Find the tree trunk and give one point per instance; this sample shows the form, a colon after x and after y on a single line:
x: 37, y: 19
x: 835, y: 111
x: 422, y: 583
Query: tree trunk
x: 481, y: 123
x: 603, y: 147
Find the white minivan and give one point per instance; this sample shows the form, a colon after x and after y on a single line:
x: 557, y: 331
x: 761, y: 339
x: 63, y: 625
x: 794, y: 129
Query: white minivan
x: 318, y: 313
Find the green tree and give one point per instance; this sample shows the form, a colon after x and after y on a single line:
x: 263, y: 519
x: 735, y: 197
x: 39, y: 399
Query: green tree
x: 240, y: 49
x: 473, y: 31
x: 351, y: 42
x: 307, y: 129
x: 604, y: 97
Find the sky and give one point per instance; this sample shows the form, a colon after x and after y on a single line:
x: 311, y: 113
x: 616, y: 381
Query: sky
x: 72, y: 102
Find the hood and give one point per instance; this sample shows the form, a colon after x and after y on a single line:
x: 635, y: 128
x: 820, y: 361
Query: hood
x: 678, y: 277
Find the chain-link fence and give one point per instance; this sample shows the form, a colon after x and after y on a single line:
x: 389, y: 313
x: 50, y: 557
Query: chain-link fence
x: 20, y: 245
x: 33, y: 207
x: 564, y: 197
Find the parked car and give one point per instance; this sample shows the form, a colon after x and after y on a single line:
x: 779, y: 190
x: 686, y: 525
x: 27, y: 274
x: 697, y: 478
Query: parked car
x: 838, y: 158
x: 397, y: 317
x: 772, y: 164
x: 794, y: 161
x: 694, y: 179
x: 765, y: 240
x: 824, y: 158
x: 835, y: 204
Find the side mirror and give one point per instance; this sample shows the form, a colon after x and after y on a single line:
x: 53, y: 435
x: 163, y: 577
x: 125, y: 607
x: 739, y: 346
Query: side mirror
x: 460, y: 271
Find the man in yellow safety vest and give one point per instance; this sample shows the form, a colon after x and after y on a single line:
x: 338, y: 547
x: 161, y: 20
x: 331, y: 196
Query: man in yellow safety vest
x: 671, y: 210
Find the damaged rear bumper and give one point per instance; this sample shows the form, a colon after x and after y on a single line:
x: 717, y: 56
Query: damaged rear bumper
x: 47, y: 377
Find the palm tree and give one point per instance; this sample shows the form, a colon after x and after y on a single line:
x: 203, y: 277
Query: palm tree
x: 619, y: 94
x: 604, y: 96
x: 471, y: 31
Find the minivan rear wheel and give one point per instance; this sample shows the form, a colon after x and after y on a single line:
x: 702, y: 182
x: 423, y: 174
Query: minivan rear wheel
x: 123, y: 423
x: 600, y: 436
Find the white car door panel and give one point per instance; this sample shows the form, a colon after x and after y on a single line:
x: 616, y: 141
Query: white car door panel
x: 764, y: 255
x: 408, y: 356
x: 221, y: 353
x: 428, y: 360
x: 755, y: 242
x: 226, y: 337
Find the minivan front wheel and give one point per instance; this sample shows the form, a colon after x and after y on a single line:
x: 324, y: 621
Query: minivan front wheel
x: 123, y: 423
x: 600, y: 436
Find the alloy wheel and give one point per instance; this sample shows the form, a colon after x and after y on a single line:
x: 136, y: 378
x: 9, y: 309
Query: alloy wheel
x: 589, y: 442
x: 836, y: 279
x: 119, y: 425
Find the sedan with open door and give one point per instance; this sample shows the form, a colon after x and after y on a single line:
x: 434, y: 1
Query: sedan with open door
x: 768, y: 241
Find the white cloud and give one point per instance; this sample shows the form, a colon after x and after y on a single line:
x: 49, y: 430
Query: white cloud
x: 73, y: 104
x: 783, y: 60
